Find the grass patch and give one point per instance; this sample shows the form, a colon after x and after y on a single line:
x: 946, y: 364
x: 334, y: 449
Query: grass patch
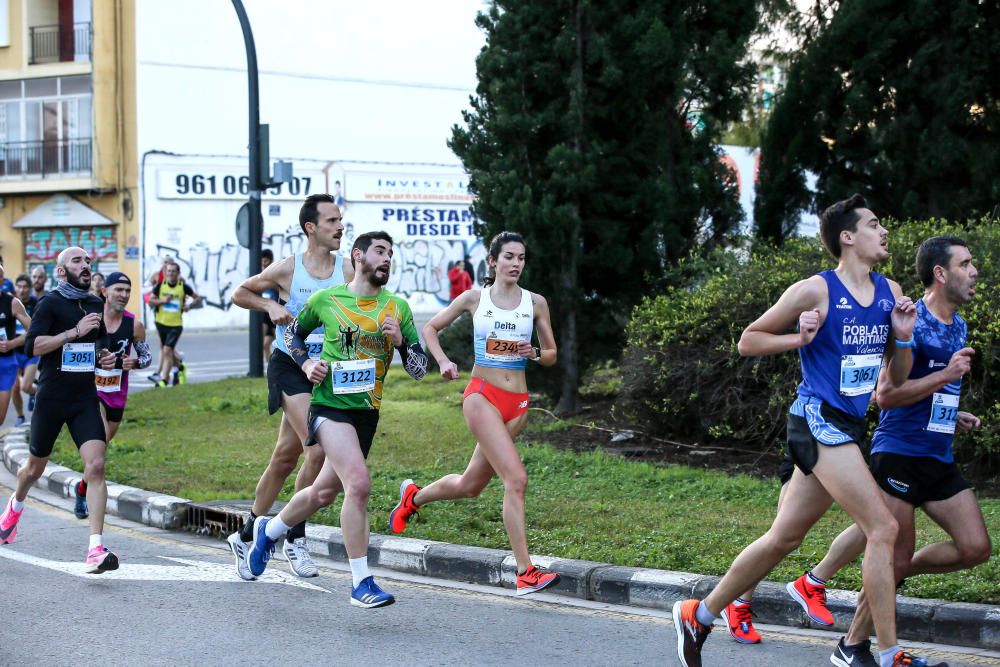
x: 211, y: 442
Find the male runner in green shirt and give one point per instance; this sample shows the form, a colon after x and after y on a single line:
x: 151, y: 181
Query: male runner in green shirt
x: 364, y: 326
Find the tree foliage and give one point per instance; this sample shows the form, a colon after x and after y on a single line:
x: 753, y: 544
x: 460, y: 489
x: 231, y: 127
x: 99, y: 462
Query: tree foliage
x: 580, y: 137
x: 897, y: 100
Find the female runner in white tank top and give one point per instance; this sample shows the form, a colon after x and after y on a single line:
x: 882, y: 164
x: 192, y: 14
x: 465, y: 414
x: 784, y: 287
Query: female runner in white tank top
x: 496, y: 401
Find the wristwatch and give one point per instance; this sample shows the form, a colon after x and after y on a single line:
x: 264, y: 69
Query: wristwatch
x: 538, y: 354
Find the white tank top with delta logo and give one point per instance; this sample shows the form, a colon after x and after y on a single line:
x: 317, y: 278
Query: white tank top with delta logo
x: 497, y: 331
x: 302, y: 287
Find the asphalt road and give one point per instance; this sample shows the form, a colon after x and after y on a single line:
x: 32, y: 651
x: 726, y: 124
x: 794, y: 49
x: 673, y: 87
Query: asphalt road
x: 176, y: 601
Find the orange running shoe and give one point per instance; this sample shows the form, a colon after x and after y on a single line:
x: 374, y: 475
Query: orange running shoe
x: 533, y: 580
x: 405, y: 508
x: 740, y: 624
x: 812, y: 598
x: 904, y: 659
x: 691, y: 634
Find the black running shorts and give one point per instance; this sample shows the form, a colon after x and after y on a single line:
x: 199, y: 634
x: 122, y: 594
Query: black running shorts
x: 820, y: 424
x: 284, y: 377
x: 114, y: 414
x: 786, y: 469
x: 916, y: 479
x: 363, y: 421
x: 83, y: 418
x: 169, y: 336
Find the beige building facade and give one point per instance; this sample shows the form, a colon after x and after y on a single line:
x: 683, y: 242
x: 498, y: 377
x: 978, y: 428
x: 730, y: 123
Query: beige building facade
x: 68, y: 167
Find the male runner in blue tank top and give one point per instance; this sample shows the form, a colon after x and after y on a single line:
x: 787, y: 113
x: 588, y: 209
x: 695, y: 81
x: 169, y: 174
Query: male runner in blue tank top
x: 849, y: 321
x: 912, y: 458
x: 295, y: 279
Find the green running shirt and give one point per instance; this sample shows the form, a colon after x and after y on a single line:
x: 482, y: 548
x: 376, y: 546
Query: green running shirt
x: 358, y: 352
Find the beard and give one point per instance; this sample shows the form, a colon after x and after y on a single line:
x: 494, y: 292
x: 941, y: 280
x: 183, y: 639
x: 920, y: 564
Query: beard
x: 79, y: 282
x: 374, y: 277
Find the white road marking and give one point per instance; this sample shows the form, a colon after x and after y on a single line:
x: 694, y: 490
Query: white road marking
x: 196, y: 571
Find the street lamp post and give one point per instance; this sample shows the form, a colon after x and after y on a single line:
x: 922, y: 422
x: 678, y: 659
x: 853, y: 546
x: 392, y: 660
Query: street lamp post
x: 259, y: 169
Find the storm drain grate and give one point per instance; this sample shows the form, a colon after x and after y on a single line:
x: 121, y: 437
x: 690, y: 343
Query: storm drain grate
x: 214, y: 519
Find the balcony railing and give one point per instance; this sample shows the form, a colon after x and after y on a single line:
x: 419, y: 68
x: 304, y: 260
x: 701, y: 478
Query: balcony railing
x: 51, y: 44
x: 45, y: 159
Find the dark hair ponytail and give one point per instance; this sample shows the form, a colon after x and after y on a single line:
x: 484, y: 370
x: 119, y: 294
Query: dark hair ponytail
x: 496, y: 245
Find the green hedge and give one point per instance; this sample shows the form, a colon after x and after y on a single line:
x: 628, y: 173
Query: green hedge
x: 682, y: 374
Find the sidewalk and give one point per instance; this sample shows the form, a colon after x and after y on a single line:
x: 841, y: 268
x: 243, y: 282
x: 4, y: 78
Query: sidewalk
x: 937, y: 621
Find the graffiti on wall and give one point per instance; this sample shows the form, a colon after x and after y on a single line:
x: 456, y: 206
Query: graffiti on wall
x: 419, y: 267
x: 42, y: 245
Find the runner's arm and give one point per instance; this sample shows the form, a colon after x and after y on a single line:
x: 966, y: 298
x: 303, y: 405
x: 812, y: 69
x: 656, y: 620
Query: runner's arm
x: 189, y: 292
x: 543, y: 326
x: 904, y: 316
x: 769, y: 333
x: 248, y: 294
x: 38, y: 343
x: 466, y: 302
x: 154, y: 297
x: 297, y: 332
x: 18, y: 311
x: 890, y: 395
x: 144, y: 356
x: 413, y: 355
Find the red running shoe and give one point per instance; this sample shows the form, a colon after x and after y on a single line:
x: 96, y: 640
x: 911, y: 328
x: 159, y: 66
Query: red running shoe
x: 811, y: 598
x: 904, y: 659
x: 405, y: 508
x: 740, y: 624
x: 691, y: 634
x: 533, y: 580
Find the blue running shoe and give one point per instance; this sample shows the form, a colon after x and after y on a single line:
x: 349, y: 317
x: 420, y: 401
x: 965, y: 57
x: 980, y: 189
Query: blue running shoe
x: 262, y: 549
x: 19, y: 421
x: 368, y: 595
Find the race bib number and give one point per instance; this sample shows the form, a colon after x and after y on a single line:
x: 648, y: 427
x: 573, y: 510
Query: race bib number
x: 352, y: 377
x: 171, y: 307
x: 314, y: 345
x: 944, y: 413
x: 78, y: 357
x: 108, y: 382
x: 859, y: 373
x: 502, y: 349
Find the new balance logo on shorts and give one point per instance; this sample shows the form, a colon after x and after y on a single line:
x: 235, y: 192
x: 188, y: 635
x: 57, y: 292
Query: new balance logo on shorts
x: 522, y: 405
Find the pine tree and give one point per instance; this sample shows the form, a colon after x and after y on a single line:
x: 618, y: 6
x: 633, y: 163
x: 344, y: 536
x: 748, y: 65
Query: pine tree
x: 899, y: 101
x: 594, y: 133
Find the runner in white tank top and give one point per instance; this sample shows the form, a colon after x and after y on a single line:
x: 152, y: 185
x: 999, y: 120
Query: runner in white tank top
x: 496, y: 401
x: 316, y: 268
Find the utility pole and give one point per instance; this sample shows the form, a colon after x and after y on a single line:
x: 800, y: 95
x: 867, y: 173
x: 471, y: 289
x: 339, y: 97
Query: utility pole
x: 259, y: 170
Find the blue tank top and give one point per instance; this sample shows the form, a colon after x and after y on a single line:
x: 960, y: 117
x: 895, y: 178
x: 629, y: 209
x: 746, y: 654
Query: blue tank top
x: 302, y: 287
x: 840, y: 366
x: 927, y: 427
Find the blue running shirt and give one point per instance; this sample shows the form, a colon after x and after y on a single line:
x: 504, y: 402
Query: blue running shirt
x: 841, y: 364
x: 927, y: 427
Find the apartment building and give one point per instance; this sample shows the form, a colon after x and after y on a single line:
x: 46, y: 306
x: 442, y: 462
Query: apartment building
x: 68, y: 171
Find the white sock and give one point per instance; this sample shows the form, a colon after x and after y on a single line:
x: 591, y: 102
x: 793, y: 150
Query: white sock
x: 275, y: 528
x: 359, y: 569
x: 885, y: 657
x: 740, y: 602
x: 96, y: 540
x: 704, y: 616
x: 16, y: 505
x: 814, y: 580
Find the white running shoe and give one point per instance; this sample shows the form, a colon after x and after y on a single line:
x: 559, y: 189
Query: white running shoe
x: 299, y: 560
x: 239, y: 549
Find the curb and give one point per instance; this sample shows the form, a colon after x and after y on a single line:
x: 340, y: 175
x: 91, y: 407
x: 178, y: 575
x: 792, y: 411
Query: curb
x: 918, y: 619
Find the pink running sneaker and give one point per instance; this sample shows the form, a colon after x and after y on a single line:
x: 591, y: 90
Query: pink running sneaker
x: 101, y: 560
x: 8, y: 522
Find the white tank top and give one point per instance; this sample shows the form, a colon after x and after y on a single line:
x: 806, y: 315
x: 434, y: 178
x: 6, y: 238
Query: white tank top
x: 301, y: 288
x: 498, y: 331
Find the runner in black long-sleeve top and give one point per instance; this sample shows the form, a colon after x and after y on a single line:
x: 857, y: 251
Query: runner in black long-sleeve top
x: 68, y: 333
